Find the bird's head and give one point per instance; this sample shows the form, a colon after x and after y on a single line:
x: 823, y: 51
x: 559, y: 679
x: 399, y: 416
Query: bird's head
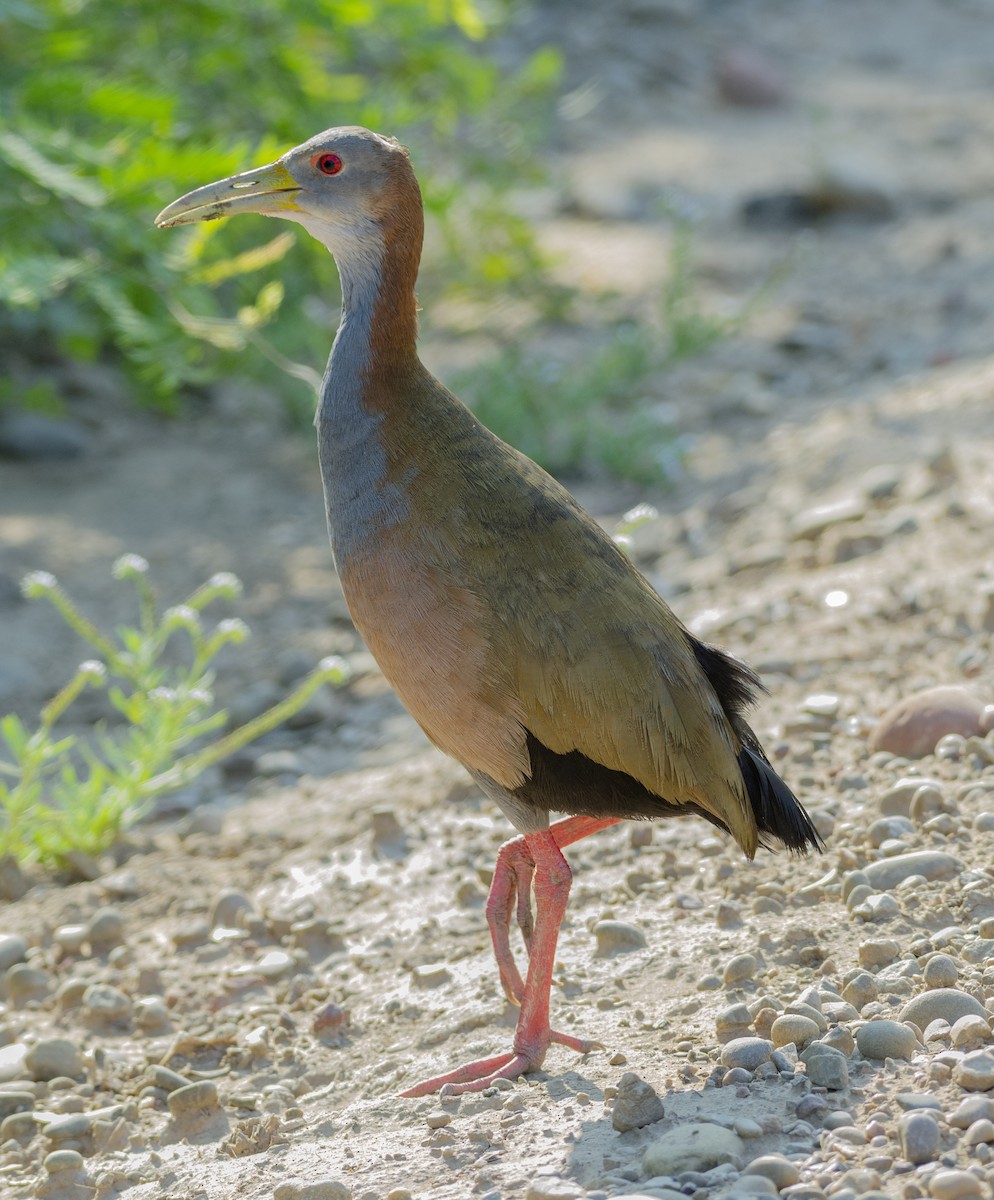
x: 350, y: 188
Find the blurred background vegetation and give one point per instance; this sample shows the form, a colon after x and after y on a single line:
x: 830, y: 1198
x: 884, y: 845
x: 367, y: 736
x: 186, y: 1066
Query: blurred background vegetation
x: 107, y: 112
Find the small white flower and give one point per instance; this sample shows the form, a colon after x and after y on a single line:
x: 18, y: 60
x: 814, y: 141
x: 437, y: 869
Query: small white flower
x: 128, y: 566
x: 93, y: 671
x: 37, y: 583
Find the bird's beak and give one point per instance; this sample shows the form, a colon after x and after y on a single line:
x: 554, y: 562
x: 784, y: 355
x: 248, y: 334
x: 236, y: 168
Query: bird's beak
x: 268, y: 190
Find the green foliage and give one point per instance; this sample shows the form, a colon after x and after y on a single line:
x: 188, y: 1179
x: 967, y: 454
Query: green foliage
x: 107, y: 112
x: 60, y: 795
x: 591, y: 414
x: 586, y: 415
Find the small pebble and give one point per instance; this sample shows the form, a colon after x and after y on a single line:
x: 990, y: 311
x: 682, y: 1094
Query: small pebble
x: 552, y: 1188
x: 811, y: 1106
x: 105, y: 929
x: 733, y: 1022
x: 13, y: 949
x: 885, y: 1039
x: 58, y: 1162
x: 954, y: 1185
x: 54, y: 1056
x: 692, y: 1146
x: 193, y: 1098
x: 980, y: 1131
x: 274, y: 963
x: 919, y: 1135
x: 940, y: 972
x: 318, y: 1189
x: 169, y: 1081
x: 229, y: 909
x: 438, y: 1119
x: 26, y: 984
x: 969, y: 1032
x: 746, y: 1052
x: 617, y: 937
x: 740, y: 969
x: 975, y: 1071
x: 106, y: 1005
x: 971, y: 1109
x: 151, y: 1013
x: 934, y: 865
x: 636, y: 1104
x: 431, y: 975
x: 68, y: 1128
x: 828, y: 1070
x: 946, y: 1004
x: 860, y: 990
x: 912, y: 727
x: 878, y: 953
x: 793, y: 1028
x: 780, y: 1171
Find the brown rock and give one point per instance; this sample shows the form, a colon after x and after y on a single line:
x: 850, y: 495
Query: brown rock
x: 913, y: 726
x: 744, y: 76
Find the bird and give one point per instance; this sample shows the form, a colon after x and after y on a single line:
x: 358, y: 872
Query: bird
x: 518, y: 635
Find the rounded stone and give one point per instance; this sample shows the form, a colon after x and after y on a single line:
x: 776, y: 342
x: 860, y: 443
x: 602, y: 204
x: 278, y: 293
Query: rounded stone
x: 793, y: 1028
x: 229, y: 909
x: 878, y: 952
x: 913, y: 726
x: 885, y: 1039
x: 13, y: 949
x: 935, y: 865
x: 617, y: 937
x: 970, y: 1031
x: 860, y: 990
x: 106, y: 1005
x: 980, y: 1131
x: 971, y: 1109
x: 954, y: 1185
x: 25, y: 983
x: 774, y: 1167
x: 746, y: 1052
x: 975, y: 1071
x: 740, y: 969
x: 945, y: 1004
x: 51, y: 1057
x: 59, y: 1161
x: 318, y: 1189
x: 919, y: 1134
x: 105, y: 929
x: 550, y: 1187
x: 695, y: 1146
x: 940, y: 972
x: 193, y: 1098
x: 151, y: 1013
x: 68, y: 1128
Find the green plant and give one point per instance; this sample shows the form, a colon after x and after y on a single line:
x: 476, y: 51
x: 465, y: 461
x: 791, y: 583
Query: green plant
x: 60, y: 795
x: 591, y: 413
x: 107, y: 112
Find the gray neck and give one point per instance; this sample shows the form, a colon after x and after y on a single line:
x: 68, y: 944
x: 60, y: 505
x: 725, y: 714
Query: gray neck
x: 353, y: 460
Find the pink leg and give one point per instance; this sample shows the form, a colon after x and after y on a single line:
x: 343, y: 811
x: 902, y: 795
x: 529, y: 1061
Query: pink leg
x: 513, y: 873
x: 551, y: 885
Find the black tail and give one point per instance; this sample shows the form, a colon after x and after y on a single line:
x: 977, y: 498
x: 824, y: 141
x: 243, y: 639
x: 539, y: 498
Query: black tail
x: 778, y: 812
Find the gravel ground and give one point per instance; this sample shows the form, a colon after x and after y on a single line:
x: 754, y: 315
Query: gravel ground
x: 230, y: 1008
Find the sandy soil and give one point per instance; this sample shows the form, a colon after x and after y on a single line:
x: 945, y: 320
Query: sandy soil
x: 314, y: 940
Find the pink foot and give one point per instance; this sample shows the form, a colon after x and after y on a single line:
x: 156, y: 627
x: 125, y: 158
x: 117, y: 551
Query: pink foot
x: 532, y: 862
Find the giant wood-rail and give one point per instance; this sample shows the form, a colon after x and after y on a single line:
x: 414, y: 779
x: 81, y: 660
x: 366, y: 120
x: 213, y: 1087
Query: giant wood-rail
x: 517, y: 634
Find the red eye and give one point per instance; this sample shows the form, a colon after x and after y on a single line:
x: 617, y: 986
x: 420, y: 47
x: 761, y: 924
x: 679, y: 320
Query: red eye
x: 327, y: 164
